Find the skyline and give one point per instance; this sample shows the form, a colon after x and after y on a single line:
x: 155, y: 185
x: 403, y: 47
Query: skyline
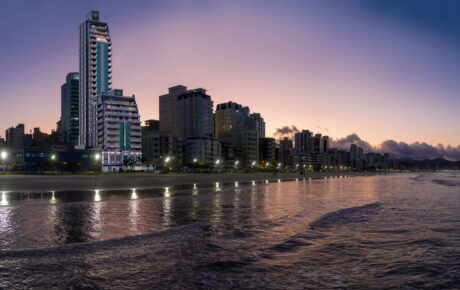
x: 254, y: 60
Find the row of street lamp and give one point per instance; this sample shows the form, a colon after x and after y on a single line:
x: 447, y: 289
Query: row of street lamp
x: 267, y: 164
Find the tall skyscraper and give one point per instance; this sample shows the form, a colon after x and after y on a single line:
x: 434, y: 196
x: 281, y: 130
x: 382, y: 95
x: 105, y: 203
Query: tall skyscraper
x: 95, y: 74
x: 69, y: 108
x: 194, y: 117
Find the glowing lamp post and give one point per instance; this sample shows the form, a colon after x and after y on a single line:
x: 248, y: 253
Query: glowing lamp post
x: 217, y: 163
x: 53, y: 161
x: 167, y: 160
x: 96, y: 157
x: 3, y: 156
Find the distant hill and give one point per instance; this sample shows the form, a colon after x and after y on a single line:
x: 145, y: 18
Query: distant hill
x: 438, y: 163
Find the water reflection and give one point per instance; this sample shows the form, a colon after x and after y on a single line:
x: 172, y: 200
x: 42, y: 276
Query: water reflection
x: 216, y: 217
x: 133, y: 211
x: 4, y: 199
x: 72, y: 223
x: 97, y: 196
x: 94, y: 215
x: 5, y: 216
x: 134, y: 194
x: 167, y: 205
x: 53, y: 198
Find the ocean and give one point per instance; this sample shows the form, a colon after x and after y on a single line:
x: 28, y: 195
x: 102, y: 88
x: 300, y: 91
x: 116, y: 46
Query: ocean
x: 373, y: 232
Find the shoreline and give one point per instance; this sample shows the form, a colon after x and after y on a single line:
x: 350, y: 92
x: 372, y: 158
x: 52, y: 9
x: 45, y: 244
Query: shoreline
x: 120, y: 181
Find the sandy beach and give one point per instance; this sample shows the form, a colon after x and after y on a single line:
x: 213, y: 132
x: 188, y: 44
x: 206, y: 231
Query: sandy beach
x: 37, y: 183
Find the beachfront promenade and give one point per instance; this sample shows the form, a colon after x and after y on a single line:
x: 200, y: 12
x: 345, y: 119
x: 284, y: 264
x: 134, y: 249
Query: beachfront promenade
x: 37, y: 183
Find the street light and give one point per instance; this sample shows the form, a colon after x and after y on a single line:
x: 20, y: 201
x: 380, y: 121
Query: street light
x: 3, y: 156
x: 217, y: 161
x: 253, y: 164
x: 195, y: 160
x: 97, y: 156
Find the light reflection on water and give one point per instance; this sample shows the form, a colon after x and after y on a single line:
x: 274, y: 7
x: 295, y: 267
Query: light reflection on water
x: 56, y: 218
x: 396, y: 232
x: 4, y: 199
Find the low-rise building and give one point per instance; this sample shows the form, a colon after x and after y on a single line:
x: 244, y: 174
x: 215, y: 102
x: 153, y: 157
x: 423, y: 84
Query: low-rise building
x: 202, y: 149
x: 157, y: 147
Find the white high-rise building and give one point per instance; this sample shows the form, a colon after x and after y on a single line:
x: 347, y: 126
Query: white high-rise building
x: 119, y: 130
x: 95, y: 74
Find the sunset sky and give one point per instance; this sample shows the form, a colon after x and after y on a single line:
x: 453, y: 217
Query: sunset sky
x: 380, y: 69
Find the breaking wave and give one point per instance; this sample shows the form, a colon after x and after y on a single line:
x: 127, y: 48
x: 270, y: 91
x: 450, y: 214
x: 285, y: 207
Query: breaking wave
x: 345, y: 216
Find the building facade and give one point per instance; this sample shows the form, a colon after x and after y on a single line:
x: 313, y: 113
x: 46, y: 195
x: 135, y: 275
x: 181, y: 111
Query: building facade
x: 70, y: 108
x: 15, y: 137
x: 258, y: 123
x: 230, y: 116
x: 95, y: 74
x: 202, y: 149
x: 151, y: 125
x: 234, y: 126
x: 118, y: 130
x: 168, y: 103
x: 286, y: 149
x: 267, y: 150
x: 157, y: 147
x: 194, y: 114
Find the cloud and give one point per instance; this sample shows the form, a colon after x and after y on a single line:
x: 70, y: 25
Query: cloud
x: 416, y: 150
x: 344, y: 143
x: 420, y: 150
x: 286, y: 131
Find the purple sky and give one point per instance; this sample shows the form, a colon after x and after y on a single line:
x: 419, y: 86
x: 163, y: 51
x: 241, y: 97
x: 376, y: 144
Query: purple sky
x: 381, y: 69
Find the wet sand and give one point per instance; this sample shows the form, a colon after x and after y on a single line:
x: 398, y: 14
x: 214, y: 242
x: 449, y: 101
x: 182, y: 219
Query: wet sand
x: 38, y: 183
